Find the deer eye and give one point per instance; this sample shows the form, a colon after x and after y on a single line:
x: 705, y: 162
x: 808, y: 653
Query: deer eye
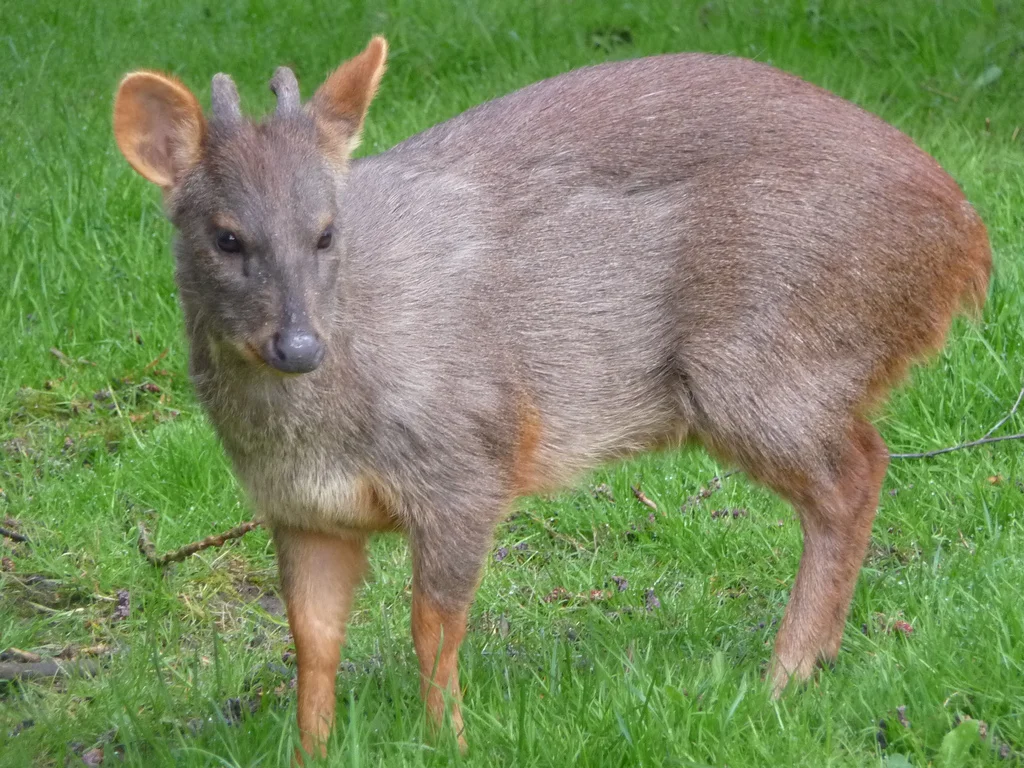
x: 228, y: 242
x: 325, y: 240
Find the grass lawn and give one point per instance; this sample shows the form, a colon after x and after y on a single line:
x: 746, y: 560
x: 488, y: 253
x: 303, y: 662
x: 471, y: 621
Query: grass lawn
x: 605, y: 633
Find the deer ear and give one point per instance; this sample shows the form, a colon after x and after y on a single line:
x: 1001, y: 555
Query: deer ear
x: 339, y: 105
x: 159, y: 126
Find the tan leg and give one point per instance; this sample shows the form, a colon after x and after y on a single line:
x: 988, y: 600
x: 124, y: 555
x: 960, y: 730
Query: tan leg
x: 837, y: 528
x: 319, y: 574
x: 437, y: 634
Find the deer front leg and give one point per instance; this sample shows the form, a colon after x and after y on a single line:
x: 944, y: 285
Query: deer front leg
x: 447, y: 562
x: 437, y: 633
x: 319, y: 574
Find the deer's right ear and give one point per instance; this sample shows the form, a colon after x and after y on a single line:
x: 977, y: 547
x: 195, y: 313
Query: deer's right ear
x: 159, y: 126
x: 339, y: 105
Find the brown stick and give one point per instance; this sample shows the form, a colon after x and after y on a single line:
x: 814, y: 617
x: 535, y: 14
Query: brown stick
x: 149, y: 551
x: 983, y: 440
x: 937, y: 92
x: 715, y: 484
x: 1007, y: 417
x: 69, y: 361
x: 14, y: 535
x: 558, y: 534
x: 152, y: 363
x: 46, y: 669
x: 958, y: 447
x: 23, y: 657
x: 642, y: 498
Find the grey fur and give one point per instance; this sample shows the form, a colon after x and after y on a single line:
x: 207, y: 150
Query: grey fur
x: 286, y: 88
x: 225, y: 104
x: 642, y: 259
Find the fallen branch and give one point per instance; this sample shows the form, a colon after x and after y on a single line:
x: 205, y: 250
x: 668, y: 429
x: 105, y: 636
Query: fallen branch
x: 149, y: 551
x: 983, y: 440
x: 958, y: 447
x: 47, y: 669
x: 642, y: 498
x: 74, y: 652
x: 558, y: 534
x: 153, y: 363
x: 1007, y: 417
x: 715, y: 484
x: 23, y: 657
x: 14, y: 535
x: 70, y: 361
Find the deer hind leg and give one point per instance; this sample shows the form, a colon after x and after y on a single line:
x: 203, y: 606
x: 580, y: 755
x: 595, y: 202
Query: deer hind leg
x: 319, y: 575
x: 836, y: 518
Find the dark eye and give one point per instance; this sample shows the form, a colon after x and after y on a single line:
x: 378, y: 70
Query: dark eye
x: 325, y: 240
x: 229, y: 242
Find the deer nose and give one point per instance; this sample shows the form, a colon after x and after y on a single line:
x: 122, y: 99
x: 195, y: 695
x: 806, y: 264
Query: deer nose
x: 295, y: 350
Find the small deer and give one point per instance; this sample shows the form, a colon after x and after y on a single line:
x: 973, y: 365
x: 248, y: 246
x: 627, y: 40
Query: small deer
x: 684, y: 249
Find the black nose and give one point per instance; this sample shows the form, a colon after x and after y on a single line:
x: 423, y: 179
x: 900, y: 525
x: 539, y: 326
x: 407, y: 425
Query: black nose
x: 295, y: 351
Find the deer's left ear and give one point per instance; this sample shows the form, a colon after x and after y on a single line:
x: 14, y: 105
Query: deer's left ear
x: 159, y: 126
x: 339, y: 105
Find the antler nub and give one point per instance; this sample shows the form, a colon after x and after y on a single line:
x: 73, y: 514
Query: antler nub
x: 224, y: 97
x: 286, y: 88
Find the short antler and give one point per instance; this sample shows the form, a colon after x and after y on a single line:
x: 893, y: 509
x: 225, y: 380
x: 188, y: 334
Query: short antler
x: 224, y: 97
x: 286, y: 88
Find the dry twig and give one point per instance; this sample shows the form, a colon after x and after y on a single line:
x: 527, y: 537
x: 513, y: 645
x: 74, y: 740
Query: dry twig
x: 983, y: 440
x: 642, y: 498
x: 152, y: 363
x: 715, y: 484
x: 47, y: 668
x: 21, y: 656
x: 943, y: 94
x: 70, y: 361
x: 1008, y: 416
x: 149, y: 551
x: 555, y: 534
x: 14, y: 535
x: 957, y: 447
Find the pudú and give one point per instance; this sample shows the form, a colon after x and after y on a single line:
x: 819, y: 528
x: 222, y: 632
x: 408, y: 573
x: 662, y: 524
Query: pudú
x: 679, y: 249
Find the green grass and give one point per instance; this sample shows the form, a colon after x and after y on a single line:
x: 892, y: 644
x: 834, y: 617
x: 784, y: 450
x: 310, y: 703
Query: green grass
x: 88, y: 448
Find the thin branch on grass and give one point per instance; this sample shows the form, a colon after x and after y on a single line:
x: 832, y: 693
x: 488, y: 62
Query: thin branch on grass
x: 958, y: 447
x: 14, y: 535
x: 558, y: 534
x: 642, y: 498
x: 149, y: 551
x: 54, y: 611
x: 153, y: 363
x: 1007, y: 417
x: 70, y: 361
x: 983, y: 440
x: 48, y: 668
x: 23, y: 657
x: 74, y: 652
x: 714, y: 485
x: 937, y: 92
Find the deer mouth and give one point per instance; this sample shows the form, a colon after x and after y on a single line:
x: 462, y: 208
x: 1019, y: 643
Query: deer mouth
x: 253, y: 354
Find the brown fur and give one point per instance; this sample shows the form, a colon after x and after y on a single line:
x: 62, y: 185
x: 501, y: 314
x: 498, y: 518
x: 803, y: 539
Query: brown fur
x: 685, y: 248
x: 836, y: 520
x: 319, y: 575
x: 527, y: 475
x: 437, y: 635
